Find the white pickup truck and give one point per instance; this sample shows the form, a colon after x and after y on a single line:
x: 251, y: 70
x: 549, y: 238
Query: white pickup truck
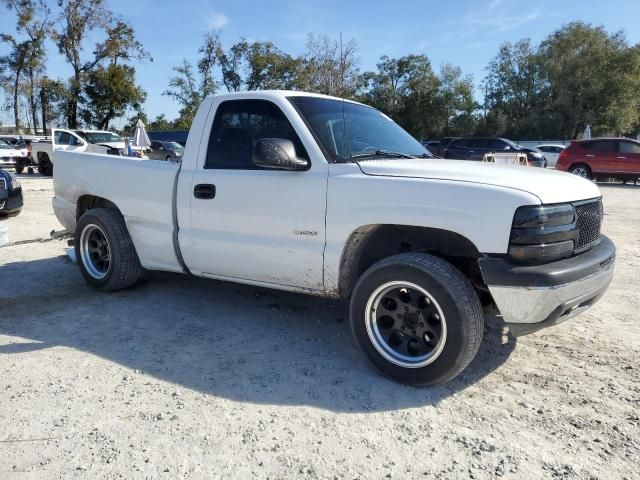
x: 314, y: 194
x: 92, y: 141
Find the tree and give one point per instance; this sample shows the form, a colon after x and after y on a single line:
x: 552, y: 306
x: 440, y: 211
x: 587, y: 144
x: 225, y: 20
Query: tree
x: 110, y: 91
x: 456, y: 102
x: 183, y: 87
x: 27, y: 54
x: 513, y: 88
x: 407, y: 90
x: 77, y: 20
x: 330, y: 67
x: 53, y: 100
x: 592, y: 78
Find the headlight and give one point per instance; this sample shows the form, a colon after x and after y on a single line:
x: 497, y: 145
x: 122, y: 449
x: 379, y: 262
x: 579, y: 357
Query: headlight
x: 544, y: 233
x: 14, y: 181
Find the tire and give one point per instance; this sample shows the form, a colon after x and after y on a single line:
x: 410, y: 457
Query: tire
x: 168, y: 159
x: 19, y: 170
x: 105, y: 253
x: 581, y: 170
x: 443, y: 308
x: 45, y: 167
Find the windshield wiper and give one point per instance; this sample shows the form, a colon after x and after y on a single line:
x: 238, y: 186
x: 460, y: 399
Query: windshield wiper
x: 381, y: 153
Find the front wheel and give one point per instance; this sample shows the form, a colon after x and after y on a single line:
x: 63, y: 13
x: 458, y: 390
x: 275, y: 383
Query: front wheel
x: 417, y: 319
x: 106, y: 256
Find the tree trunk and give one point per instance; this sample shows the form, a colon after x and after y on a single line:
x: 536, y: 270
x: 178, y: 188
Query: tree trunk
x: 43, y: 106
x: 16, y: 111
x: 32, y: 102
x: 72, y: 115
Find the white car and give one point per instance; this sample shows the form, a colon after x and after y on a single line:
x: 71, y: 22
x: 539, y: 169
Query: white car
x: 324, y: 196
x: 11, y: 157
x: 551, y: 153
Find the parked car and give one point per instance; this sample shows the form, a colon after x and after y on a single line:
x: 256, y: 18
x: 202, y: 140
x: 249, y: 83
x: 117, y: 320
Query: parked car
x: 610, y: 157
x: 475, y: 148
x: 551, y: 153
x: 12, y: 157
x: 170, y: 151
x: 10, y: 194
x: 178, y: 136
x: 329, y: 197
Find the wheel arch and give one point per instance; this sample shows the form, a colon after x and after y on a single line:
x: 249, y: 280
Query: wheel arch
x: 90, y: 202
x: 369, y: 244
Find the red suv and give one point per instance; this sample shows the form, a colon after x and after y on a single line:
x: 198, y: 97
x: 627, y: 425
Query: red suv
x: 610, y: 157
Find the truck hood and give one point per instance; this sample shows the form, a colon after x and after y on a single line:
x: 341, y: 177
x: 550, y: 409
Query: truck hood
x: 550, y: 186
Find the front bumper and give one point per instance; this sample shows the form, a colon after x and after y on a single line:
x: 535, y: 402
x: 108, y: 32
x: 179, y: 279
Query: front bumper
x: 534, y: 297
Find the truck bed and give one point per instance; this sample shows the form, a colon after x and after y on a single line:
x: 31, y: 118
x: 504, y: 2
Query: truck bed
x: 142, y: 189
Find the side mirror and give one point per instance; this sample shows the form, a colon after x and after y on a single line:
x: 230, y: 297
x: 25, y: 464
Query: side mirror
x: 277, y: 154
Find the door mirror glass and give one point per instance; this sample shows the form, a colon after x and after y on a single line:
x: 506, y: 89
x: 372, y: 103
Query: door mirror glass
x: 278, y: 154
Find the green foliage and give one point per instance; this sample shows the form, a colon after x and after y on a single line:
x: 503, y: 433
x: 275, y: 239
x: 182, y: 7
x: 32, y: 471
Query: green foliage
x: 579, y: 75
x: 109, y: 92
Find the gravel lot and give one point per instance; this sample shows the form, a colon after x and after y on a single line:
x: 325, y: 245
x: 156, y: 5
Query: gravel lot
x: 188, y: 378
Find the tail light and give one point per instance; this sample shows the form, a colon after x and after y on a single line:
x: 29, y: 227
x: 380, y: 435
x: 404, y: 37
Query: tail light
x: 29, y: 149
x: 563, y: 154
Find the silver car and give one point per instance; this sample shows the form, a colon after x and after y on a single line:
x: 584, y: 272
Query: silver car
x: 170, y: 151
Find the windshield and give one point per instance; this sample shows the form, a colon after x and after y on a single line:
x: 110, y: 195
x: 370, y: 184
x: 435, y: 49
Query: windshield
x: 102, y: 137
x: 347, y: 130
x: 173, y: 146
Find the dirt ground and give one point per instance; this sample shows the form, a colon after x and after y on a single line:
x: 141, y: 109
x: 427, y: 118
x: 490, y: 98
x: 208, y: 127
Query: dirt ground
x: 188, y: 378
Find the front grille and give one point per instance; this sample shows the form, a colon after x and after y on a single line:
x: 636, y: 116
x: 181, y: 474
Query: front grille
x: 3, y: 184
x: 589, y: 220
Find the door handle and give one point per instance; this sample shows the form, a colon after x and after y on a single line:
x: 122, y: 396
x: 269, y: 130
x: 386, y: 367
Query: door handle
x: 204, y: 191
x: 590, y: 155
x: 622, y: 157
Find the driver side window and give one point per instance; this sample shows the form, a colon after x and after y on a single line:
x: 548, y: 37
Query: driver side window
x: 237, y: 127
x: 65, y: 138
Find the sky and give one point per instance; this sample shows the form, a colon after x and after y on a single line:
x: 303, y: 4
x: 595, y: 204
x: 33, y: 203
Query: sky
x: 462, y: 32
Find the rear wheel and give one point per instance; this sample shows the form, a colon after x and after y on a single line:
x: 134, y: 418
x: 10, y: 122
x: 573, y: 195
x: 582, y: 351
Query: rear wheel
x: 19, y: 170
x: 581, y: 170
x: 106, y: 256
x: 417, y: 318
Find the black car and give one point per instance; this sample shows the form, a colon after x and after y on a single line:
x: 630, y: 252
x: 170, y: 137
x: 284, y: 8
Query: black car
x: 475, y: 148
x: 10, y: 194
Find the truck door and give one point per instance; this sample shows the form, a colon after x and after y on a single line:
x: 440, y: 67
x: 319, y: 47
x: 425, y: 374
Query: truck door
x: 251, y: 223
x: 67, y: 140
x: 628, y: 158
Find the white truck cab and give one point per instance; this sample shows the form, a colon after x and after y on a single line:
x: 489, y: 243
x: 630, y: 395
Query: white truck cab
x: 316, y: 194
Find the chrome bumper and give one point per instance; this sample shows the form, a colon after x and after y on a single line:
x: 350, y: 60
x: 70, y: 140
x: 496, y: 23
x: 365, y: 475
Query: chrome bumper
x: 548, y: 299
